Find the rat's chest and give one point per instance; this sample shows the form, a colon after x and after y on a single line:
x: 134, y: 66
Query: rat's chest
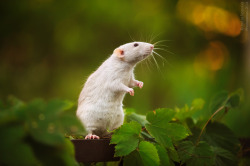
x: 126, y: 77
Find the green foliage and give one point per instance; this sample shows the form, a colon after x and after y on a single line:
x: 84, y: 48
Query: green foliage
x: 126, y: 138
x: 164, y: 159
x: 163, y: 131
x: 34, y: 133
x: 148, y: 153
x: 200, y: 154
x: 165, y: 136
x: 132, y: 116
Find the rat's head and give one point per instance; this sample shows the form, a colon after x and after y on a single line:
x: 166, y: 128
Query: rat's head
x: 133, y: 52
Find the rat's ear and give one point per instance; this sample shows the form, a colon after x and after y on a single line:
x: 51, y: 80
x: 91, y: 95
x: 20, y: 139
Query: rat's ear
x: 119, y: 53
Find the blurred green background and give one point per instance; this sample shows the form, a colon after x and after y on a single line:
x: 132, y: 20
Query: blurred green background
x: 49, y: 47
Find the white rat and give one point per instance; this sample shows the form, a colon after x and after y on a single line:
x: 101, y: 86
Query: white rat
x: 100, y: 101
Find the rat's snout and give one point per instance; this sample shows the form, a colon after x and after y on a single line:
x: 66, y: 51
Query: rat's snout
x: 152, y: 47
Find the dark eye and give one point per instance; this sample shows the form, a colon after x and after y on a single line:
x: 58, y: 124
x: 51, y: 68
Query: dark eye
x: 136, y: 44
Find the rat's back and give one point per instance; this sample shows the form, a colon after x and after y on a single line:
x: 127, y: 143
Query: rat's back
x: 99, y: 104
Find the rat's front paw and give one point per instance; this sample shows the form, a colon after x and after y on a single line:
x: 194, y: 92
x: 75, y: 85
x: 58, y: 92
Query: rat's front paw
x: 91, y: 136
x: 131, y: 91
x: 139, y: 84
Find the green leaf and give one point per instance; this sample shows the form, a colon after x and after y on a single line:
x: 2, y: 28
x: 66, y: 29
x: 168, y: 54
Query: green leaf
x: 148, y: 153
x: 219, y: 135
x: 163, y: 155
x: 13, y: 149
x: 133, y: 159
x: 173, y: 154
x: 195, y: 155
x: 224, y: 99
x: 233, y: 101
x: 130, y: 115
x: 218, y: 100
x: 197, y: 104
x: 186, y: 112
x: 126, y: 137
x: 42, y: 125
x: 163, y: 131
x: 223, y: 157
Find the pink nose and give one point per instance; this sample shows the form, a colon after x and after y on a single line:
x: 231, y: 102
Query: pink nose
x: 152, y: 47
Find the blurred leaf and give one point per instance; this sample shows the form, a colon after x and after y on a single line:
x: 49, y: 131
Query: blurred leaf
x: 126, y: 138
x: 42, y: 124
x: 14, y: 102
x: 186, y: 112
x: 219, y: 135
x: 223, y: 157
x: 218, y: 100
x: 173, y: 154
x: 148, y: 153
x: 67, y: 153
x: 233, y: 101
x: 194, y: 155
x: 130, y: 115
x: 57, y: 106
x: 163, y: 155
x: 197, y: 104
x: 163, y: 131
x: 133, y: 159
x: 33, y: 133
x: 13, y: 149
x: 224, y: 99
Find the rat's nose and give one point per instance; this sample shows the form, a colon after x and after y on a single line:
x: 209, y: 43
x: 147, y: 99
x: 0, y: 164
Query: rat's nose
x: 152, y: 47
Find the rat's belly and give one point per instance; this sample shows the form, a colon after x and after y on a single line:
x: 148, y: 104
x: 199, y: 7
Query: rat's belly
x: 100, y: 118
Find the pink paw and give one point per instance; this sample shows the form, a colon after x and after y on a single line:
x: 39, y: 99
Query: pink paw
x: 131, y: 91
x: 139, y: 84
x: 91, y: 136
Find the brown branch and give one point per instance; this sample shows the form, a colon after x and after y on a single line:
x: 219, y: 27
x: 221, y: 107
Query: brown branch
x: 218, y: 110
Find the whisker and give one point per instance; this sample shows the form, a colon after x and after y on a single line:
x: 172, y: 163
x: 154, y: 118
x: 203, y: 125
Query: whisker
x: 163, y: 59
x: 148, y: 65
x: 156, y: 62
x: 131, y: 37
x: 149, y: 60
x: 159, y: 55
x: 152, y: 37
x: 160, y: 41
x: 164, y: 50
x: 161, y: 46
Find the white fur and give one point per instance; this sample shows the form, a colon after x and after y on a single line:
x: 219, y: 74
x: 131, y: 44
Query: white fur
x: 100, y: 101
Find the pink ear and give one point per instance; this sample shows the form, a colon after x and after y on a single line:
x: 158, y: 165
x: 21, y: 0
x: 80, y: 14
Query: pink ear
x: 119, y: 53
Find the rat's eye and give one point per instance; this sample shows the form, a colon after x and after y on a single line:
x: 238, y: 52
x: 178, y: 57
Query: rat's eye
x: 136, y: 44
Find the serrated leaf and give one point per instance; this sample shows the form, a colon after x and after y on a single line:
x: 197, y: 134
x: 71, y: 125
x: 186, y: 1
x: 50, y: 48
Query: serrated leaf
x: 148, y: 153
x: 233, y: 101
x: 173, y: 154
x: 223, y: 157
x: 163, y: 155
x: 218, y: 100
x: 163, y: 131
x: 161, y: 115
x: 126, y: 138
x: 195, y: 155
x: 219, y: 135
x: 130, y: 115
x: 186, y: 112
x: 133, y: 159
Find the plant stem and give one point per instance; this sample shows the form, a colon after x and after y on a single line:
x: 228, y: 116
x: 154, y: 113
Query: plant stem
x: 218, y: 110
